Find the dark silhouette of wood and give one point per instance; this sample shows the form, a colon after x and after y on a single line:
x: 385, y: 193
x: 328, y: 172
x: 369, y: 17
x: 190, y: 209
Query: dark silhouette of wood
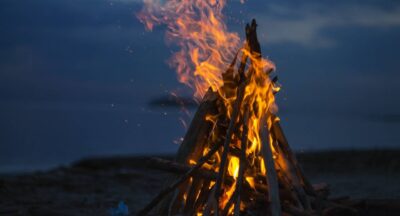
x: 272, y: 179
x: 182, y: 179
x: 242, y: 164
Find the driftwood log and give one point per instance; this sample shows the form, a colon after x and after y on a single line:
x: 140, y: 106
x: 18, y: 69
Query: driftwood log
x: 272, y: 179
x: 341, y: 204
x: 194, y: 140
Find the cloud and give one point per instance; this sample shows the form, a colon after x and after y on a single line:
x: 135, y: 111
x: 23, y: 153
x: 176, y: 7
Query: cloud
x: 305, y: 25
x: 127, y: 1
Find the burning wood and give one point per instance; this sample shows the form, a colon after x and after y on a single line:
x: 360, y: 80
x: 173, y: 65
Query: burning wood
x: 235, y: 159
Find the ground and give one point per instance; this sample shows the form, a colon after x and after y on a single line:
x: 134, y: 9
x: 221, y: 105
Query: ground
x: 94, y: 186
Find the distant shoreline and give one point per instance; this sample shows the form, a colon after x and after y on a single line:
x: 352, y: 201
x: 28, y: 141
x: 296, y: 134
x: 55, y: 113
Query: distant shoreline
x: 93, y: 185
x: 362, y: 157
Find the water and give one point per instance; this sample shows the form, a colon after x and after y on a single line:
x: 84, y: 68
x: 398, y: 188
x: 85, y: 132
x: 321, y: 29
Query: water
x: 43, y: 135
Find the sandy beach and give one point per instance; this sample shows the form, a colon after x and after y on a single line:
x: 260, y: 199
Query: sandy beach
x: 93, y: 186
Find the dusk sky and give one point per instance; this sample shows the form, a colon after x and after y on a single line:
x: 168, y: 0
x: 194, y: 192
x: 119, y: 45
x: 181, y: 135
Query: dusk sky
x: 76, y: 77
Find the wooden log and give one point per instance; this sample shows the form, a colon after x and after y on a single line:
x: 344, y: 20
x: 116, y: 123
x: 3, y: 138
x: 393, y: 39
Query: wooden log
x: 210, y: 202
x: 182, y: 179
x: 177, y: 200
x: 228, y: 137
x: 178, y: 168
x: 287, y: 187
x: 291, y: 180
x: 171, y: 166
x: 295, y: 181
x: 284, y: 145
x: 230, y: 202
x: 186, y: 189
x: 235, y: 152
x: 202, y: 173
x: 272, y: 180
x: 243, y: 162
x: 192, y: 195
x: 194, y: 140
x: 251, y: 35
x: 204, y: 193
x: 199, y: 129
x: 230, y: 80
x: 252, y: 42
x: 293, y: 170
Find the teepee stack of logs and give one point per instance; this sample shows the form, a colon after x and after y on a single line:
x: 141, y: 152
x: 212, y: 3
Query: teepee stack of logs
x: 270, y: 182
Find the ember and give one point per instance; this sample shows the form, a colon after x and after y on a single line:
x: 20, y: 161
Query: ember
x: 234, y: 157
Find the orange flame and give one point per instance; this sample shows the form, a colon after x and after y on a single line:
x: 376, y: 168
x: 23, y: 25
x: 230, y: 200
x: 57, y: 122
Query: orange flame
x: 197, y: 27
x: 207, y: 49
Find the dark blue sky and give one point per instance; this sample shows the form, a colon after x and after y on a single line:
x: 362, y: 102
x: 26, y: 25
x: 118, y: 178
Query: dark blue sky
x: 76, y: 76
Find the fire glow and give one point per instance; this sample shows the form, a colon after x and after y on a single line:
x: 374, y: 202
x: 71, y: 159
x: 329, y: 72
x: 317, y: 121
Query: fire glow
x: 197, y: 28
x: 232, y: 74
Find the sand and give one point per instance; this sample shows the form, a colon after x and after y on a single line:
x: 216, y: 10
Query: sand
x: 95, y: 185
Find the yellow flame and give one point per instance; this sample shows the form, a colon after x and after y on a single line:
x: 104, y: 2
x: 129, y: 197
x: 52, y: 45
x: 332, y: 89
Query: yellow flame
x: 251, y: 182
x: 225, y: 197
x: 211, y: 118
x: 233, y: 167
x: 206, y: 49
x: 192, y: 162
x: 262, y: 167
x: 197, y: 27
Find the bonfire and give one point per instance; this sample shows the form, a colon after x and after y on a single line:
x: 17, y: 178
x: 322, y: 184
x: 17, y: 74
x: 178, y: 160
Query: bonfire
x: 234, y: 158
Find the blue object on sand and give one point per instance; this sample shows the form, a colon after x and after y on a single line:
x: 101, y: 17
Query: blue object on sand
x: 121, y: 210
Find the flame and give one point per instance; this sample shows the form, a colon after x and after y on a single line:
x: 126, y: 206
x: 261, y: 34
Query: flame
x: 233, y: 167
x: 226, y: 196
x: 251, y: 182
x: 198, y: 29
x: 206, y: 50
